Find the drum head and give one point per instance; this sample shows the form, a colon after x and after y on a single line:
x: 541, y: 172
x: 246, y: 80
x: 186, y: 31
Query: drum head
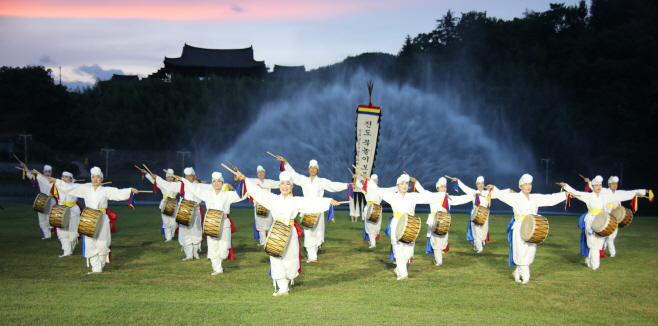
x: 528, y: 227
x: 402, y: 226
x: 600, y: 222
x: 619, y: 213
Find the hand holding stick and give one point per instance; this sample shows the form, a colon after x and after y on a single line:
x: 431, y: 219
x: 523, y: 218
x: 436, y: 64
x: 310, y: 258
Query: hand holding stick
x: 279, y: 158
x: 239, y: 175
x: 451, y: 178
x: 147, y: 169
x: 144, y: 191
x: 363, y: 174
x: 586, y: 179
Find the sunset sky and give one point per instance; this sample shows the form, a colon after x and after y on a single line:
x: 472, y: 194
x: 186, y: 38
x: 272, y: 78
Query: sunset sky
x: 93, y: 39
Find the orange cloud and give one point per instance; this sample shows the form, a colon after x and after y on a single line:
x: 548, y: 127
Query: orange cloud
x: 194, y: 9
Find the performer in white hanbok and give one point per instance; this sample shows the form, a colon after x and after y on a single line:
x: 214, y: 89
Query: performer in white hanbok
x: 476, y: 234
x: 401, y: 203
x: 613, y: 184
x: 313, y: 187
x: 284, y: 208
x: 169, y: 224
x: 438, y: 244
x: 189, y: 237
x: 44, y: 188
x: 522, y: 253
x: 596, y: 202
x: 68, y: 236
x: 215, y: 198
x: 357, y: 204
x: 96, y: 249
x: 263, y: 223
x: 371, y: 229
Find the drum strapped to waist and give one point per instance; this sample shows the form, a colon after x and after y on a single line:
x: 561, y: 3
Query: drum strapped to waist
x: 185, y: 211
x: 623, y: 215
x: 278, y: 238
x: 90, y: 222
x: 213, y: 223
x: 59, y: 216
x: 604, y: 224
x: 373, y: 212
x: 41, y: 203
x: 441, y: 223
x: 408, y: 228
x: 481, y: 215
x: 310, y: 220
x: 261, y: 211
x: 169, y: 207
x: 534, y: 228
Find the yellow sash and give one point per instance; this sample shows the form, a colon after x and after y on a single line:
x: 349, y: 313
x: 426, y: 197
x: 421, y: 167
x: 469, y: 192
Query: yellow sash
x: 69, y: 203
x: 595, y: 211
x: 104, y: 210
x: 372, y: 202
x: 519, y: 217
x: 165, y: 196
x: 398, y: 215
x: 611, y: 205
x: 292, y: 221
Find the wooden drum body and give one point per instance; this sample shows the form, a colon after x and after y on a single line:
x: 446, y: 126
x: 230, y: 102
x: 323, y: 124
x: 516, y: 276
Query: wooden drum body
x: 310, y: 220
x: 59, y: 216
x: 374, y: 212
x: 442, y: 223
x: 534, y: 228
x: 185, y: 211
x: 481, y: 215
x: 408, y: 228
x: 40, y: 203
x: 604, y: 224
x: 169, y: 207
x: 277, y: 239
x: 626, y: 218
x: 90, y: 222
x: 261, y: 211
x: 213, y: 223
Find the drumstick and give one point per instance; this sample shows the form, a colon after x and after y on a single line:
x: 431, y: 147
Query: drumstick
x: 78, y: 180
x: 449, y: 177
x: 357, y: 170
x: 147, y: 169
x: 229, y: 169
x: 19, y: 161
x: 106, y: 183
x: 138, y: 168
x: 343, y: 202
x: 146, y: 191
x: 582, y: 176
x: 229, y: 163
x: 39, y: 173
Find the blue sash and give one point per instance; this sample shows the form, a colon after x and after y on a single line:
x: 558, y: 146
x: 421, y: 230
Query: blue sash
x: 584, y: 250
x: 469, y: 232
x: 510, y: 235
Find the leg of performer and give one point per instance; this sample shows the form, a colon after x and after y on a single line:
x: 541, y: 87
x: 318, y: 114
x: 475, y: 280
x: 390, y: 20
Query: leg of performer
x: 594, y: 258
x: 373, y: 241
x: 66, y: 246
x: 97, y: 263
x: 610, y: 243
x: 263, y: 237
x: 353, y: 213
x: 283, y: 287
x: 517, y: 274
x: 44, y: 225
x: 312, y: 253
x: 213, y: 254
x: 524, y: 272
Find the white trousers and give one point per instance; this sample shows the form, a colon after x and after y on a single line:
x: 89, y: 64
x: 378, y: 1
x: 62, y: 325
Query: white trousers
x: 610, y: 243
x: 263, y: 237
x: 44, y: 222
x: 190, y: 236
x: 68, y: 236
x: 313, y: 238
x: 218, y: 248
x: 522, y: 272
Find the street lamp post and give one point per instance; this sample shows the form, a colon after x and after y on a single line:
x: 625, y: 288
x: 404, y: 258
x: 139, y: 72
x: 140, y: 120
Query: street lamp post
x: 25, y: 136
x: 182, y: 153
x: 547, y: 160
x: 107, y: 151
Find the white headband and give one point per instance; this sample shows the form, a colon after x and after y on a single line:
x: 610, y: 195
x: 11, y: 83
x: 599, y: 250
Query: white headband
x: 170, y: 171
x: 402, y: 178
x: 189, y: 171
x: 260, y: 168
x: 313, y: 163
x: 96, y: 171
x: 47, y: 168
x: 217, y: 176
x: 67, y: 174
x: 374, y: 177
x: 597, y: 180
x: 285, y: 176
x: 442, y: 182
x: 613, y: 179
x: 526, y: 178
x: 480, y: 179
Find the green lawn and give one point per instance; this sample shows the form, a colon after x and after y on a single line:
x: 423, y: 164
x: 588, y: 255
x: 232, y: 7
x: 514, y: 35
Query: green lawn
x: 147, y: 284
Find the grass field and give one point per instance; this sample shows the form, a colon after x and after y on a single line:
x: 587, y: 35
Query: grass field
x: 147, y: 284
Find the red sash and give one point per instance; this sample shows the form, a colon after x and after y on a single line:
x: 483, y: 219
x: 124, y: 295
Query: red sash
x: 299, y: 242
x: 231, y: 254
x: 113, y: 218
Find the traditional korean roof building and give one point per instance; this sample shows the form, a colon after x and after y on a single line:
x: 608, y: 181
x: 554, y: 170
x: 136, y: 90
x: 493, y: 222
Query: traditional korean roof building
x: 202, y: 62
x: 288, y: 72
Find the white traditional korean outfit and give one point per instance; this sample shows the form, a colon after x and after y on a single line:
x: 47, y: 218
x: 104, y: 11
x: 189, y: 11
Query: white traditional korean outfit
x: 218, y: 248
x: 263, y: 223
x: 401, y: 205
x: 96, y: 250
x: 597, y: 203
x: 286, y: 268
x: 44, y: 188
x: 523, y: 253
x: 189, y: 237
x: 357, y: 204
x: 373, y: 229
x: 613, y: 203
x: 68, y: 236
x: 479, y: 232
x: 168, y: 222
x: 314, y: 237
x: 439, y: 242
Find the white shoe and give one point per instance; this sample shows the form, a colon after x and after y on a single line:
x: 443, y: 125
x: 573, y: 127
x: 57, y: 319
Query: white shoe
x: 45, y: 238
x: 311, y: 261
x: 217, y: 273
x: 186, y: 259
x: 478, y: 251
x: 402, y: 278
x: 89, y: 273
x: 167, y: 240
x: 277, y: 294
x: 516, y: 277
x: 64, y: 255
x: 371, y: 246
x: 525, y: 282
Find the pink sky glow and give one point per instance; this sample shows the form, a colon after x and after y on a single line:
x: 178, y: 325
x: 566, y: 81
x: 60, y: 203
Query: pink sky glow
x: 193, y: 9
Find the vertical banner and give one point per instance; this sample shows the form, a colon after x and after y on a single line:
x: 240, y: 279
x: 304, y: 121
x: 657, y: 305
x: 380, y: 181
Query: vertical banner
x: 368, y: 118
